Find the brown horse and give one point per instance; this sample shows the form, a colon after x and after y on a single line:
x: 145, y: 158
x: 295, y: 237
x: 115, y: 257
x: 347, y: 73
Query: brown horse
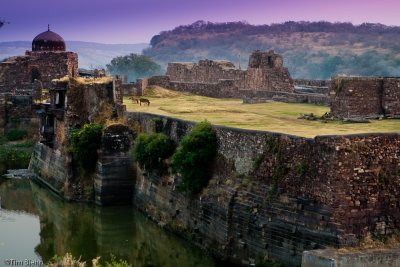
x: 144, y: 101
x: 134, y: 99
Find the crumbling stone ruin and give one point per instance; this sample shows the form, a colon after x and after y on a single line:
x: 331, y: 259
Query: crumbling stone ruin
x: 72, y: 103
x: 222, y: 79
x: 365, y: 97
x: 265, y: 79
x: 47, y: 60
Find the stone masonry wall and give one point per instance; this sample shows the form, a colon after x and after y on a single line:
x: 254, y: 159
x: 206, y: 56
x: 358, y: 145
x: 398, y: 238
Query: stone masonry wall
x: 391, y: 97
x: 51, y: 167
x: 271, y: 79
x: 365, y: 97
x: 277, y: 195
x: 224, y: 88
x: 17, y: 72
x: 206, y: 71
x: 312, y: 83
x: 115, y: 177
x: 265, y: 72
x: 261, y: 96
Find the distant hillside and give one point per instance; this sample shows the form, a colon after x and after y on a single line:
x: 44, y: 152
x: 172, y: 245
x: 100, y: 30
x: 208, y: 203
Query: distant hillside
x: 310, y: 49
x: 91, y: 55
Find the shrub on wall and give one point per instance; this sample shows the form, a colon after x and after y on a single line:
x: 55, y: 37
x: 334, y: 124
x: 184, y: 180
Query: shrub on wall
x: 15, y: 135
x: 151, y: 149
x: 84, y: 145
x: 194, y: 157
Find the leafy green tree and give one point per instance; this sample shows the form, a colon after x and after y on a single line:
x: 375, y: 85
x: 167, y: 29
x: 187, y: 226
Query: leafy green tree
x: 194, y: 157
x: 134, y: 66
x: 84, y: 145
x: 152, y: 149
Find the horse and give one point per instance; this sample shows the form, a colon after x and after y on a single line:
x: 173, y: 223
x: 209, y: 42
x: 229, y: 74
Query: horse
x: 144, y: 101
x: 134, y: 99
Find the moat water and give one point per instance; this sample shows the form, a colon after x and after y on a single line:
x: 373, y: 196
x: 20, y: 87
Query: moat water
x: 37, y: 225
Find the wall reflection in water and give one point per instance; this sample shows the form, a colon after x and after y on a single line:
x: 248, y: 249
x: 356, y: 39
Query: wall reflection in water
x: 88, y: 231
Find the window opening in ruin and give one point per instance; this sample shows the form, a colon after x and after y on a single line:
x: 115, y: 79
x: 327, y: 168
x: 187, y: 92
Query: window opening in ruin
x: 60, y: 100
x: 270, y: 61
x: 35, y: 74
x: 49, y: 121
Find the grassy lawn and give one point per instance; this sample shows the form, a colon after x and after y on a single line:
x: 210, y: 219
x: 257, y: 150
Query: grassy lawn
x: 273, y: 116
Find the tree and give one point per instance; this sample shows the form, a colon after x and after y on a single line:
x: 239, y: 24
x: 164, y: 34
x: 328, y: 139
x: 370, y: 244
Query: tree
x: 84, y: 145
x: 194, y: 157
x: 134, y: 66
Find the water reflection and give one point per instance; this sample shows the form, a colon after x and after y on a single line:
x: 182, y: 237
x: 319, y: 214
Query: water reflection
x: 85, y: 230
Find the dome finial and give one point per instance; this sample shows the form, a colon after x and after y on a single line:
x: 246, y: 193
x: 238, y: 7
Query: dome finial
x: 48, y: 27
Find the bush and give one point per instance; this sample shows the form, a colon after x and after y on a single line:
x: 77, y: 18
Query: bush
x: 84, y: 145
x: 151, y: 149
x: 15, y: 135
x: 268, y: 263
x: 194, y: 157
x: 66, y: 260
x: 69, y: 261
x: 14, y: 158
x: 117, y: 263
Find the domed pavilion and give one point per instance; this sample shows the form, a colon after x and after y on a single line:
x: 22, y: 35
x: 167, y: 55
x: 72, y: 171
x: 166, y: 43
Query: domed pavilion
x: 48, y: 41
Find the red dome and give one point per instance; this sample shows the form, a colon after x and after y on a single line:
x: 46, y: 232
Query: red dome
x: 48, y: 41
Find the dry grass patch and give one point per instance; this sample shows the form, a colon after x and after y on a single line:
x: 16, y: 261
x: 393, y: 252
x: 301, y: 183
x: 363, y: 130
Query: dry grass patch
x: 83, y: 80
x: 272, y: 116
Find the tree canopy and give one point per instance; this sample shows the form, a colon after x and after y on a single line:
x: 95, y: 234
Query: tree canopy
x: 134, y: 66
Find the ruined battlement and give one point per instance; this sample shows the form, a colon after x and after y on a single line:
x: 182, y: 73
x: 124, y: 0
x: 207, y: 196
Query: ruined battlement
x: 206, y: 71
x: 265, y: 60
x: 265, y: 73
x: 365, y: 97
x: 74, y: 102
x: 21, y: 72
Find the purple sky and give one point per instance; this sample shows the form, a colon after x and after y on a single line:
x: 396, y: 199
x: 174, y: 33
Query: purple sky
x: 134, y: 21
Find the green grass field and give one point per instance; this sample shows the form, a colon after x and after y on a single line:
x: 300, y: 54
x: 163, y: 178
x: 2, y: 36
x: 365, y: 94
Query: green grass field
x: 273, y: 116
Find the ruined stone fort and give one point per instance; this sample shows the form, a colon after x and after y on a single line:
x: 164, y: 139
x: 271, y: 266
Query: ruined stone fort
x: 303, y: 194
x: 47, y: 60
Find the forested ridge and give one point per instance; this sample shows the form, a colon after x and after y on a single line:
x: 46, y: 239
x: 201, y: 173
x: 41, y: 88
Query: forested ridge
x: 315, y: 50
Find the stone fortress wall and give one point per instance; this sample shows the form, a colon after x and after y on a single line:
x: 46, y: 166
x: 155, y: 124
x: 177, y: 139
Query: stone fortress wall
x: 264, y: 79
x: 365, y: 97
x: 271, y: 195
x: 44, y: 66
x: 265, y: 72
x: 302, y: 194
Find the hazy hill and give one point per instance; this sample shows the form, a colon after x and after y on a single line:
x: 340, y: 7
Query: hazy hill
x: 91, y: 55
x: 310, y: 49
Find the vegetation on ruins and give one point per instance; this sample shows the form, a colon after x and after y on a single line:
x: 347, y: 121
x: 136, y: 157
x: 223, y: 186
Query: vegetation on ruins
x: 134, y: 66
x: 273, y: 116
x: 276, y: 147
x: 84, y: 144
x: 268, y: 263
x: 15, y: 149
x: 194, y: 157
x: 152, y: 149
x: 15, y: 134
x: 315, y: 50
x: 70, y: 261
